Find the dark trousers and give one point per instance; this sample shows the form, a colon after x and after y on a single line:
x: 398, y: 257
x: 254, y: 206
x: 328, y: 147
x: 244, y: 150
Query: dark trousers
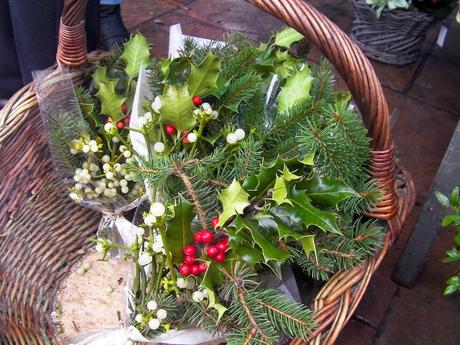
x: 28, y: 39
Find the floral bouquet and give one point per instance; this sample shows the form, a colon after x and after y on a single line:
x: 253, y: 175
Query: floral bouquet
x: 252, y: 162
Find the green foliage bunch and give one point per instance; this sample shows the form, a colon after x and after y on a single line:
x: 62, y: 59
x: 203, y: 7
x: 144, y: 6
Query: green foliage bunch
x: 452, y: 220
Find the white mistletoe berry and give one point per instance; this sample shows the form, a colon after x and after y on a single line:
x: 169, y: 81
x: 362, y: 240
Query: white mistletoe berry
x: 181, y: 283
x: 198, y: 296
x: 207, y: 108
x: 109, y: 175
x: 231, y: 138
x: 139, y: 318
x: 122, y: 148
x: 162, y: 314
x: 154, y: 324
x: 124, y: 190
x: 123, y: 183
x: 76, y: 197
x: 115, y: 140
x: 85, y: 148
x: 159, y: 147
x: 152, y: 305
x: 127, y: 154
x: 105, y: 158
x: 157, y: 104
x: 150, y: 219
x: 215, y: 114
x: 191, y: 137
x: 148, y: 116
x: 145, y: 259
x: 140, y: 231
x: 240, y: 134
x: 157, y: 209
x: 109, y: 127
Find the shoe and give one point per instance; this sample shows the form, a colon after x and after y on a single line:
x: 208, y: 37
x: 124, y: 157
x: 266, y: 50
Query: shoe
x: 112, y: 30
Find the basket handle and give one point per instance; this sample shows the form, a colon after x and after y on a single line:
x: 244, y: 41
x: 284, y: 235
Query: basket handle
x: 336, y: 46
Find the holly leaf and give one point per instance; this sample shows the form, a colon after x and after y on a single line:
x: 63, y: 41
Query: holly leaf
x: 177, y: 107
x: 250, y: 255
x: 288, y: 175
x: 263, y: 239
x: 99, y: 76
x: 309, y: 159
x: 307, y: 241
x: 296, y: 89
x: 212, y: 278
x: 135, y: 54
x: 172, y: 70
x: 328, y: 192
x: 280, y: 191
x: 178, y: 229
x: 234, y: 200
x: 303, y: 210
x: 110, y: 101
x: 204, y: 76
x: 287, y: 37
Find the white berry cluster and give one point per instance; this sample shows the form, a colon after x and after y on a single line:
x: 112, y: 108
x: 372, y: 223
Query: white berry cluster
x: 84, y: 145
x: 157, y: 209
x: 185, y: 283
x: 205, y: 112
x: 233, y: 138
x: 200, y: 295
x: 153, y: 317
x: 107, y: 179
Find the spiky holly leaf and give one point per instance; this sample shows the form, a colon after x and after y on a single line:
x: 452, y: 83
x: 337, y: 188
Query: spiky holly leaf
x: 204, y: 76
x: 288, y: 175
x: 328, y: 192
x: 234, y: 200
x: 303, y: 209
x: 99, y: 76
x: 135, y: 54
x: 280, y: 191
x: 287, y: 37
x: 179, y: 228
x: 296, y: 89
x: 212, y: 278
x: 307, y: 241
x: 110, y: 101
x: 177, y: 107
x: 264, y: 239
x: 173, y: 70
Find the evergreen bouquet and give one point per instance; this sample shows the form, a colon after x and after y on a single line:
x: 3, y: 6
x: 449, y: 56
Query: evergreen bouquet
x: 251, y: 161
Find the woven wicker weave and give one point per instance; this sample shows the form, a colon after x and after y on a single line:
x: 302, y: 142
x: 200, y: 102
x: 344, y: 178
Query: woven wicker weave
x: 395, y: 38
x: 42, y: 232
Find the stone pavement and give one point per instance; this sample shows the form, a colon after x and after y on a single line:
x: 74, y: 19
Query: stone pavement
x: 426, y: 97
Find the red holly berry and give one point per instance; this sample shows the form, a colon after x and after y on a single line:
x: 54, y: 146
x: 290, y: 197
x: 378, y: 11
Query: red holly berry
x: 196, y: 270
x: 197, y: 100
x: 206, y: 236
x: 190, y: 259
x: 214, y: 222
x: 120, y: 125
x: 220, y: 257
x: 170, y: 129
x: 124, y: 108
x: 197, y: 237
x: 189, y: 250
x: 224, y: 238
x: 212, y: 251
x: 222, y: 246
x: 126, y: 120
x: 185, y: 269
x: 184, y: 135
x: 203, y: 267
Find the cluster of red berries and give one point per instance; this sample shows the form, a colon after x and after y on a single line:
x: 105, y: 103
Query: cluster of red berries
x: 122, y: 123
x: 215, y: 251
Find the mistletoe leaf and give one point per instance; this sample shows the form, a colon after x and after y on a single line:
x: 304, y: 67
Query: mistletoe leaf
x: 204, y: 76
x: 178, y: 229
x: 280, y: 191
x: 177, y: 107
x: 234, y: 200
x: 303, y: 210
x: 110, y: 101
x: 287, y: 37
x: 296, y: 89
x: 328, y: 192
x: 135, y: 54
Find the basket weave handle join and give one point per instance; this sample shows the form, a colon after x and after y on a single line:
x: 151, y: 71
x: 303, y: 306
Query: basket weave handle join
x: 347, y: 58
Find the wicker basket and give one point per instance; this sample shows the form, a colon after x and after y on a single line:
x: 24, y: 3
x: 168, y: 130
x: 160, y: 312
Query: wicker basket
x: 395, y: 38
x: 43, y: 233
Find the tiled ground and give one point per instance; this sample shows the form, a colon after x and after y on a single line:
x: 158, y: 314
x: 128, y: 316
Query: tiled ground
x: 426, y: 97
